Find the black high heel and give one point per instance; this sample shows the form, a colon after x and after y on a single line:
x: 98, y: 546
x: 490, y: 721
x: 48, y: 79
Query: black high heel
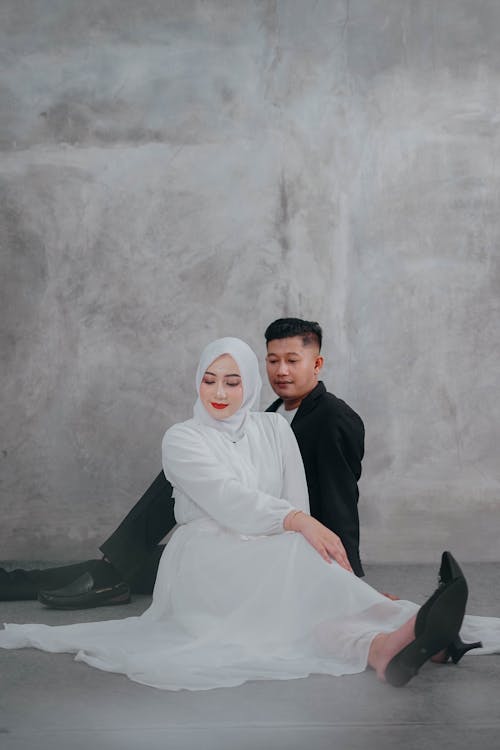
x: 437, y: 624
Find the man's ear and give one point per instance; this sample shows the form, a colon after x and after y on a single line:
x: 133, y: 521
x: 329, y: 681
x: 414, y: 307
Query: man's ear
x: 318, y: 363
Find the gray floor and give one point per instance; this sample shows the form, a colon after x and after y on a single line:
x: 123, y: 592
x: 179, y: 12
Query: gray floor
x: 50, y: 701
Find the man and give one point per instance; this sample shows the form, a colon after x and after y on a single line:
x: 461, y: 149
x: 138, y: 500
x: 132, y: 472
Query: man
x: 330, y: 437
x: 329, y: 433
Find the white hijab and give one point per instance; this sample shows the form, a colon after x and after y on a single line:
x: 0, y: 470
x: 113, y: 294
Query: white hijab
x: 233, y: 426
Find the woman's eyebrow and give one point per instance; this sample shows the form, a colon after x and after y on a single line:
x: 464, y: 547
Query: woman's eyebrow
x: 229, y: 375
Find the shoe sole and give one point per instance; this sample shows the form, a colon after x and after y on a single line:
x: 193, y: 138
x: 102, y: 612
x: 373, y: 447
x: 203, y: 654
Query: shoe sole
x: 53, y: 604
x: 442, y: 625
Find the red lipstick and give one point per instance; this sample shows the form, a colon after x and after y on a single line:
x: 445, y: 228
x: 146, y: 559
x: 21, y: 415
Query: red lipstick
x: 218, y: 406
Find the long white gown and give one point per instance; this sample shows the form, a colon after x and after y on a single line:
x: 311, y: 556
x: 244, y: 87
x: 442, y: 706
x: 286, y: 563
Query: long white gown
x: 236, y: 597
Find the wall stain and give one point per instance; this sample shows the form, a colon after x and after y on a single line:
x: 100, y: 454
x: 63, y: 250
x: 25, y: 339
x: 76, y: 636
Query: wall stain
x: 23, y: 270
x: 80, y: 118
x: 283, y: 218
x: 282, y: 228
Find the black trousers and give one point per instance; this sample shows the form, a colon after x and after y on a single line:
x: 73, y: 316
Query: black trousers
x: 134, y: 550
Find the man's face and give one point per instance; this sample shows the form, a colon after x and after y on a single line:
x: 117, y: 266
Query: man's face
x: 292, y: 369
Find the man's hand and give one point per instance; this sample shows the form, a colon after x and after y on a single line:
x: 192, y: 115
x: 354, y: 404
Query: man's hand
x: 324, y: 541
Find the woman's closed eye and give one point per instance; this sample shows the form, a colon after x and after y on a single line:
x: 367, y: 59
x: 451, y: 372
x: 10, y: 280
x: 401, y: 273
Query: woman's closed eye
x: 230, y: 383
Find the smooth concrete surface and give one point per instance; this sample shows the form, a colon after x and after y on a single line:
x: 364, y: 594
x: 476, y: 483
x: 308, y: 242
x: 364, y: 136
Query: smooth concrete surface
x: 50, y: 702
x: 176, y: 171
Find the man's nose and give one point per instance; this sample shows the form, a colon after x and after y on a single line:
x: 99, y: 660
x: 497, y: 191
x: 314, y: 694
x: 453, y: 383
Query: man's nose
x: 282, y: 368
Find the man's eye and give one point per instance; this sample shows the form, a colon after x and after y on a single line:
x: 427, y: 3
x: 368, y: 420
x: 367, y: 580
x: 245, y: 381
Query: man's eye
x: 292, y: 361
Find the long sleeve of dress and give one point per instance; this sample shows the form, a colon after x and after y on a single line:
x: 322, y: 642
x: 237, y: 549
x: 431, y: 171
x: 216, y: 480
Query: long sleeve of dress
x: 215, y: 486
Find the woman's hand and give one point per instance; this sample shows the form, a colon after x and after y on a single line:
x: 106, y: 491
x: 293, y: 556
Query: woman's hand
x: 324, y: 541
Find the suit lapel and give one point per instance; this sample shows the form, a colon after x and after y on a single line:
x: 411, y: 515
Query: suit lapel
x: 275, y: 405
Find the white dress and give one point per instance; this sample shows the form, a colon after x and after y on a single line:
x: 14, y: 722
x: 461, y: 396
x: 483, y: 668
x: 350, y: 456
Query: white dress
x: 236, y: 597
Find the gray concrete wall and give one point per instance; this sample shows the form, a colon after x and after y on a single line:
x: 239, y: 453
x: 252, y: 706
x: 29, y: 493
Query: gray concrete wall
x: 176, y: 171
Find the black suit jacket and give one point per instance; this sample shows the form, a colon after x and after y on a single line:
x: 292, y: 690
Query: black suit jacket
x: 331, y: 440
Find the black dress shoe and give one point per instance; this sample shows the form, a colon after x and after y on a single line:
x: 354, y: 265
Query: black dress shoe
x: 437, y: 625
x: 84, y: 593
x: 25, y: 583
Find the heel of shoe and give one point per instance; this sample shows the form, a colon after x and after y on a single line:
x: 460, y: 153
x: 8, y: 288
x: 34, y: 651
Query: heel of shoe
x: 458, y: 648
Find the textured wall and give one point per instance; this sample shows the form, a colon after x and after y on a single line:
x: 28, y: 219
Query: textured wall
x: 177, y: 171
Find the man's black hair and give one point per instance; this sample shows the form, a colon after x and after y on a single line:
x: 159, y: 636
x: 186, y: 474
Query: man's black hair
x: 285, y: 328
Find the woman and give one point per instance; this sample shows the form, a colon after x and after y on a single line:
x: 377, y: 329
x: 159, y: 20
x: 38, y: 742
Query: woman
x: 251, y: 586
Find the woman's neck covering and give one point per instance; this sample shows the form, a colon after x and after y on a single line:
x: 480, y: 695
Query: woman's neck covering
x: 233, y: 426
